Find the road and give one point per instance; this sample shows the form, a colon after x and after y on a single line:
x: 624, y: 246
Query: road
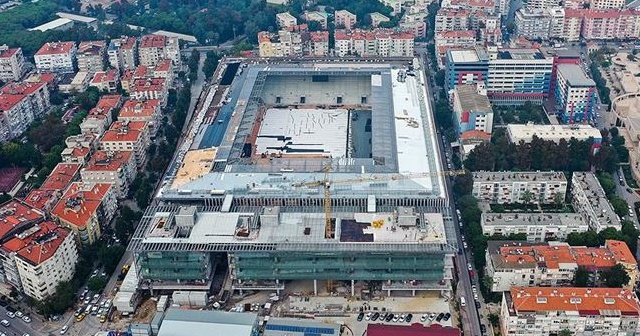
x: 469, y: 314
x: 19, y: 327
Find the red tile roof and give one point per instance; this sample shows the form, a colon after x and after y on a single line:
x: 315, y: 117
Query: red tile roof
x: 91, y: 47
x: 39, y: 198
x: 475, y: 134
x: 22, y: 88
x: 153, y: 41
x: 16, y: 213
x: 105, y: 76
x: 164, y: 65
x: 148, y: 84
x: 53, y: 48
x: 124, y: 131
x: 8, y: 101
x: 139, y: 108
x: 456, y: 34
x: 61, y: 176
x: 38, y: 244
x: 321, y: 36
x: 41, y: 78
x: 416, y: 329
x: 109, y: 101
x: 593, y: 300
x: 80, y: 202
x: 7, y: 53
x: 108, y: 161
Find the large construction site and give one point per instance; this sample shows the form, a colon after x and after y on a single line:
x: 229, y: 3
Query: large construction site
x: 326, y: 172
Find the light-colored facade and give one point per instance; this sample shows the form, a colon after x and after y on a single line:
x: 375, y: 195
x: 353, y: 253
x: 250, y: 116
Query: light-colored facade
x: 91, y: 56
x: 556, y: 22
x: 320, y: 17
x: 472, y: 109
x: 148, y: 110
x: 153, y: 49
x: 452, y: 19
x: 610, y: 24
x: 128, y: 136
x: 378, y: 42
x: 543, y: 311
x: 56, y: 57
x: 572, y: 28
x: 554, y: 264
x: 588, y: 198
x: 532, y: 24
x: 286, y: 20
x: 44, y: 255
x: 319, y: 43
x: 345, y: 19
x: 282, y: 44
x: 377, y: 19
x: 519, y: 132
x: 11, y: 63
x: 117, y: 168
x: 511, y: 187
x: 575, y: 94
x: 123, y: 52
x: 537, y: 227
x: 106, y: 80
x: 449, y: 39
x: 20, y: 105
x: 607, y: 4
x: 541, y: 5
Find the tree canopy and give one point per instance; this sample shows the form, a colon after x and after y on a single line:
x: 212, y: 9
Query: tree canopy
x: 616, y: 277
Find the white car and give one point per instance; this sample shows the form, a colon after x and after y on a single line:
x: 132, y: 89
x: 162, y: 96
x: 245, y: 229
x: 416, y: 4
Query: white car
x: 474, y: 288
x: 423, y: 318
x: 464, y: 244
x: 26, y: 319
x: 19, y: 314
x: 469, y: 267
x: 11, y: 315
x: 64, y: 330
x: 475, y: 296
x: 5, y: 323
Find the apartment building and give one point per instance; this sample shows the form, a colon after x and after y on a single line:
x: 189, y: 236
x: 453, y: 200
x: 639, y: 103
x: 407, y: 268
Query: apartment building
x: 543, y: 311
x: 164, y: 70
x: 542, y: 5
x: 377, y: 19
x: 515, y: 187
x: 282, y: 44
x: 11, y: 63
x: 524, y: 133
x: 472, y: 109
x: 536, y: 227
x: 452, y: 19
x: 345, y: 19
x: 532, y: 24
x: 43, y: 200
x: 61, y: 177
x: 91, y: 56
x: 448, y: 39
x: 148, y: 110
x: 417, y: 28
x: 610, y: 24
x: 20, y: 105
x: 319, y: 43
x: 79, y: 148
x: 156, y: 48
x: 572, y: 26
x: 396, y: 5
x: 285, y: 20
x: 128, y: 136
x: 85, y: 208
x: 56, y: 57
x: 123, y: 52
x: 607, y: 4
x: 317, y: 16
x: 106, y: 80
x: 575, y: 94
x: 150, y: 88
x: 115, y: 167
x: 556, y: 22
x: 377, y: 42
x: 553, y: 264
x: 588, y: 198
x: 44, y: 256
x: 100, y: 117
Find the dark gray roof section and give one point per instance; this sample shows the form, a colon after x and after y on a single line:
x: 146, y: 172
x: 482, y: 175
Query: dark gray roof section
x: 575, y: 75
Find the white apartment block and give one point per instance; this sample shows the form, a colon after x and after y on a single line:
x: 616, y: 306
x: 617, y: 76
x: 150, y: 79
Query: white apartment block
x: 544, y: 311
x: 607, y: 4
x: 556, y: 22
x: 588, y: 198
x: 396, y: 5
x: 56, y: 57
x: 537, y: 227
x: 377, y: 42
x: 502, y: 7
x: 286, y: 20
x: 91, y: 56
x: 532, y: 24
x: 282, y: 44
x: 553, y: 264
x: 11, y: 63
x: 154, y: 49
x: 541, y: 5
x: 510, y: 187
x: 555, y: 133
x: 344, y: 19
x: 452, y: 19
x: 128, y: 136
x: 377, y: 19
x: 572, y: 26
x: 123, y: 52
x: 20, y: 105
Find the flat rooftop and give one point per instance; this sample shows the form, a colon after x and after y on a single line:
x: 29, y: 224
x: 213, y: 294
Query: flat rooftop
x: 569, y: 220
x: 464, y: 56
x: 471, y: 100
x: 597, y: 198
x: 520, y: 54
x: 551, y: 132
x: 574, y: 75
x: 484, y: 177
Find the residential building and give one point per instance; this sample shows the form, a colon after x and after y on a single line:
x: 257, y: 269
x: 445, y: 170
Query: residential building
x: 516, y: 187
x: 553, y: 264
x: 542, y: 5
x: 607, y: 4
x: 317, y: 16
x: 344, y: 19
x: 15, y: 217
x: 155, y: 48
x: 319, y: 43
x: 61, y: 177
x: 588, y: 198
x: 572, y: 28
x: 282, y: 44
x: 556, y: 22
x: 56, y: 57
x: 44, y: 255
x: 532, y: 24
x: 43, y: 200
x: 11, y: 63
x: 472, y: 109
x: 115, y: 167
x: 396, y: 5
x: 75, y: 84
x: 278, y: 2
x: 539, y: 311
x: 91, y: 56
x: 536, y: 227
x: 502, y: 7
x: 377, y: 42
x: 148, y: 110
x: 106, y: 80
x: 79, y: 148
x: 85, y: 208
x: 101, y: 116
x: 417, y: 28
x: 449, y: 39
x: 575, y: 94
x: 286, y: 20
x: 452, y: 19
x: 123, y: 52
x: 518, y: 133
x: 377, y: 19
x: 149, y: 88
x: 610, y: 24
x: 20, y: 105
x: 128, y: 136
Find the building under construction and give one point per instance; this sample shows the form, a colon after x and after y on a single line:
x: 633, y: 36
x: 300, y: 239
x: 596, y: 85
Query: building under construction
x: 308, y: 171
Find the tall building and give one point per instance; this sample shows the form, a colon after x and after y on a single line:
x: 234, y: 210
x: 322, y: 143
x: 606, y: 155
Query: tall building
x: 575, y: 94
x: 345, y: 19
x: 11, y: 63
x: 128, y: 136
x: 472, y: 109
x: 511, y: 187
x: 142, y: 110
x: 541, y: 5
x: 588, y: 198
x: 44, y: 256
x: 542, y: 311
x: 123, y: 52
x: 153, y: 49
x: 56, y: 57
x: 317, y: 16
x: 532, y: 24
x: 20, y: 105
x: 91, y: 56
x: 116, y: 167
x: 553, y: 264
x: 377, y: 19
x: 286, y: 20
x: 319, y: 43
x: 377, y: 42
x: 453, y: 39
x: 572, y: 28
x: 282, y: 44
x: 452, y: 19
x: 607, y: 4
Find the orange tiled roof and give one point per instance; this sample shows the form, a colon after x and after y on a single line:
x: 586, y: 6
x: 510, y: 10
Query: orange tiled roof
x: 153, y: 41
x: 139, y: 108
x: 101, y: 161
x: 15, y: 213
x: 38, y: 198
x: 588, y: 301
x: 80, y: 202
x: 52, y: 48
x: 61, y: 176
x: 40, y: 245
x: 124, y: 131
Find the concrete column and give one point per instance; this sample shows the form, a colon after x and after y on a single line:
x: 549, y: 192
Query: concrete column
x: 278, y: 287
x: 413, y: 292
x: 315, y: 287
x: 353, y: 288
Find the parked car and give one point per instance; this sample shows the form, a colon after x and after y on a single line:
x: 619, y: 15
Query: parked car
x: 64, y: 330
x: 447, y: 316
x: 440, y: 317
x: 26, y: 318
x: 5, y: 323
x: 360, y: 316
x: 11, y: 315
x: 408, y: 318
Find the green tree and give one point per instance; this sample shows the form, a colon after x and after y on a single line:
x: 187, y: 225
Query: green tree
x: 620, y: 206
x: 616, y: 277
x: 581, y: 278
x: 439, y: 78
x: 110, y: 256
x: 463, y: 184
x: 565, y: 332
x: 588, y: 238
x: 494, y: 319
x: 607, y: 182
x: 527, y: 197
x: 210, y: 64
x: 606, y: 159
x: 558, y: 199
x: 97, y: 283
